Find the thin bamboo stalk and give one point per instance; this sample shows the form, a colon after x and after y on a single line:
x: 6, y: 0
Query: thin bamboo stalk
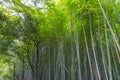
x: 108, y: 53
x: 88, y: 54
x: 78, y: 56
x: 116, y: 67
x: 94, y: 53
x: 102, y: 52
x: 72, y: 50
x: 110, y: 27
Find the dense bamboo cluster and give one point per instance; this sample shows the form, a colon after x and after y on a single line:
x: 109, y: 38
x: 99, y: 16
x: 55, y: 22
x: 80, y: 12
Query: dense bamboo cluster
x: 61, y: 40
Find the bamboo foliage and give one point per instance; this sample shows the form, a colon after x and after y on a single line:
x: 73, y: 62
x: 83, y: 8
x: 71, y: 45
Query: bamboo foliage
x: 61, y: 40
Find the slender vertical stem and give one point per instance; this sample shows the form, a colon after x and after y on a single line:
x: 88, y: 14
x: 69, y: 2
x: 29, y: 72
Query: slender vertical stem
x: 116, y: 67
x: 62, y: 62
x: 88, y: 54
x: 72, y: 50
x: 102, y: 52
x: 93, y: 48
x: 108, y: 53
x: 49, y: 66
x: 78, y: 56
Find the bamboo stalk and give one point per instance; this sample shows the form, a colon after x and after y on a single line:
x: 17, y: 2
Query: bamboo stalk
x: 108, y: 53
x: 88, y: 54
x: 78, y: 56
x: 94, y: 53
x: 102, y: 52
x: 110, y: 27
x: 116, y: 67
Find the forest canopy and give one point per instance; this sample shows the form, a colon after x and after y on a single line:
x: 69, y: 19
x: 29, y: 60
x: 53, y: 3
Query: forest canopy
x: 59, y: 40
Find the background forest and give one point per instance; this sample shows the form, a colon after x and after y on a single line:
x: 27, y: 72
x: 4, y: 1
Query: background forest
x: 59, y: 40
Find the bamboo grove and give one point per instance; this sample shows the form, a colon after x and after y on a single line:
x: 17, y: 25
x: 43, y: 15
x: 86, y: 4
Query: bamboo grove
x: 60, y: 40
